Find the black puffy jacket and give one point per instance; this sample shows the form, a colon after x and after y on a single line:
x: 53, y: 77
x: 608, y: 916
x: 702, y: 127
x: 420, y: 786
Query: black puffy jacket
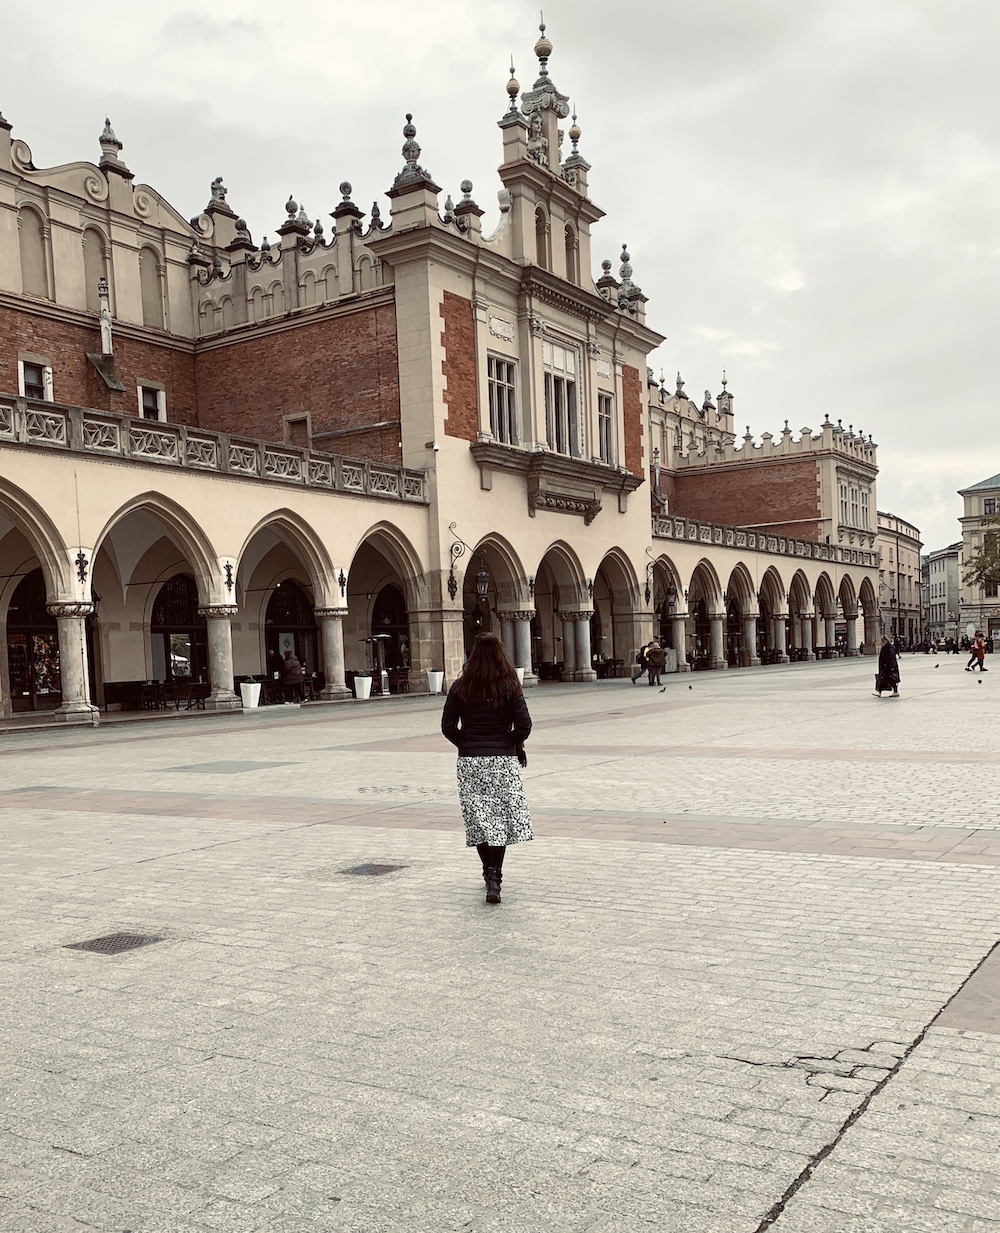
x: 481, y: 732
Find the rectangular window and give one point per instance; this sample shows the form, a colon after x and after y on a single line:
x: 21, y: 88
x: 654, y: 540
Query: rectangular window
x: 843, y: 505
x: 864, y: 509
x: 503, y: 399
x: 561, y: 426
x: 35, y: 380
x: 606, y: 427
x: 152, y: 402
x: 854, y: 507
x: 989, y: 505
x: 991, y: 590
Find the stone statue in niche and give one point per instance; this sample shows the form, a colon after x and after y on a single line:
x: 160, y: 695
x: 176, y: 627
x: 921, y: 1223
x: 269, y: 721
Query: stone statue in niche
x: 537, y: 144
x: 105, y: 317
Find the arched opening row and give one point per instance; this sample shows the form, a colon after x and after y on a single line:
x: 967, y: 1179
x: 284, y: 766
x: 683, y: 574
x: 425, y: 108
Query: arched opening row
x: 147, y: 638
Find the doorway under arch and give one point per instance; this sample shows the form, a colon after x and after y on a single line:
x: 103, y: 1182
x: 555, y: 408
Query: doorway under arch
x: 32, y: 648
x: 178, y: 632
x: 290, y: 625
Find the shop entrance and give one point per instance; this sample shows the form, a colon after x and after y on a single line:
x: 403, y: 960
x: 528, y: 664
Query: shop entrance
x: 32, y: 648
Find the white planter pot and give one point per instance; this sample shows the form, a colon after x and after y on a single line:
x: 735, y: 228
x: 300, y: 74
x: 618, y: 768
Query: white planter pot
x: 435, y: 682
x: 362, y: 688
x: 250, y: 693
x: 520, y: 675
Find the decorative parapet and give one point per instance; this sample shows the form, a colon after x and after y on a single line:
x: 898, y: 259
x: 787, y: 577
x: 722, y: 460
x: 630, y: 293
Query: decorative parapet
x: 79, y: 430
x: 720, y: 448
x: 692, y: 530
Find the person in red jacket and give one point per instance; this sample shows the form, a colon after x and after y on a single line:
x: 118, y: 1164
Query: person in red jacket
x: 485, y: 715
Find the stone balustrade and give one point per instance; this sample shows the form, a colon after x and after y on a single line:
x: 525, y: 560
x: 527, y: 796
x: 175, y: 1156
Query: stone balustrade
x: 50, y: 425
x: 693, y: 530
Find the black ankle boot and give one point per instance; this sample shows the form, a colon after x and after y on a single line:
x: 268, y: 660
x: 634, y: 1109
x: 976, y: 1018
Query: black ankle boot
x: 493, y: 879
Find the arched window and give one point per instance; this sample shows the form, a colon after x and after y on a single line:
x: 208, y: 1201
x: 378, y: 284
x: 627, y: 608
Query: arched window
x: 307, y: 288
x: 94, y: 267
x: 366, y: 274
x: 572, y: 267
x: 32, y: 647
x: 277, y: 299
x: 258, y: 304
x: 541, y: 239
x: 34, y: 267
x: 228, y: 314
x: 149, y: 285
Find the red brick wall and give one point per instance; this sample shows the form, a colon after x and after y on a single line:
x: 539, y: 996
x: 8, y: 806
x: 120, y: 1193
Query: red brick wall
x: 632, y: 411
x: 459, y: 367
x: 74, y: 378
x: 782, y: 492
x: 343, y: 371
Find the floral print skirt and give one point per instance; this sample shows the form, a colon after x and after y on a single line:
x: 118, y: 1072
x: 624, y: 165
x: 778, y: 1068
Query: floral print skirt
x: 491, y: 794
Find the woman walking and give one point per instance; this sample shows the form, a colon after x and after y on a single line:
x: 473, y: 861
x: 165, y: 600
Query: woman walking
x: 486, y: 717
x: 888, y: 670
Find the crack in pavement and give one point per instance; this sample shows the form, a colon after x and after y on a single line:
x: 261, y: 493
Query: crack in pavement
x: 774, y: 1213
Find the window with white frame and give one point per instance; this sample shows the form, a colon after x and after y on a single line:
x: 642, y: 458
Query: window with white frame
x: 152, y: 402
x: 854, y: 507
x: 34, y: 379
x: 562, y: 429
x: 864, y: 509
x: 843, y: 505
x: 606, y: 427
x: 502, y: 375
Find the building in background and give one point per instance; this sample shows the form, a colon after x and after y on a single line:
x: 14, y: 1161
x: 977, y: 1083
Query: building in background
x: 899, y: 601
x: 979, y: 608
x: 942, y: 593
x: 367, y: 446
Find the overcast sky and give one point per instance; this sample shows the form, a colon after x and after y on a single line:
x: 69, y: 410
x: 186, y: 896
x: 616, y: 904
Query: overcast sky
x: 810, y: 191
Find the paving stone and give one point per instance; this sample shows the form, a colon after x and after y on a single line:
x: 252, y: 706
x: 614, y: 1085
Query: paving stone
x: 619, y: 1045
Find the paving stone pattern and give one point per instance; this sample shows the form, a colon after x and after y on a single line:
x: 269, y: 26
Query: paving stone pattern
x: 725, y: 994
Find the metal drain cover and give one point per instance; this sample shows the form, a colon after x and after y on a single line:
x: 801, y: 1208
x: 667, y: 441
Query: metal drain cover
x: 373, y: 871
x: 114, y: 943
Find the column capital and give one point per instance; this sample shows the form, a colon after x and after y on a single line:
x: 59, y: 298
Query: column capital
x: 521, y: 614
x: 69, y: 610
x: 332, y: 614
x: 219, y: 612
x: 583, y: 615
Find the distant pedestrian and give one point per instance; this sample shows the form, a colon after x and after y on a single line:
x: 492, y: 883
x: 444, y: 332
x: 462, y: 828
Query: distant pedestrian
x: 656, y: 659
x: 485, y: 715
x: 887, y: 676
x: 978, y: 655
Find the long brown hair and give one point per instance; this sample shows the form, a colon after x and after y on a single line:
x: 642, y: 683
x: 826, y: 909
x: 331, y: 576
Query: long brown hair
x: 488, y: 676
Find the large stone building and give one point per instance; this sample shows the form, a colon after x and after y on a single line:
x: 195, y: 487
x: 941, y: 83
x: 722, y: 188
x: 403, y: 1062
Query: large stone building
x: 941, y: 592
x: 370, y: 442
x: 980, y: 607
x: 900, y: 580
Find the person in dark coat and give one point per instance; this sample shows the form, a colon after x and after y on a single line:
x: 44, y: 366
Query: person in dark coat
x: 656, y: 658
x: 888, y: 670
x: 485, y: 715
x: 291, y: 678
x: 641, y: 662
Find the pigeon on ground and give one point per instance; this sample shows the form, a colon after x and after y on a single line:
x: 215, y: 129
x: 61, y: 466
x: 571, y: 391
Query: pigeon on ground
x: 663, y: 690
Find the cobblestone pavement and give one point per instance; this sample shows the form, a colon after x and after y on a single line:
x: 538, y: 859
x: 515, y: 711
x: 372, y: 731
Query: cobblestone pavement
x: 747, y: 976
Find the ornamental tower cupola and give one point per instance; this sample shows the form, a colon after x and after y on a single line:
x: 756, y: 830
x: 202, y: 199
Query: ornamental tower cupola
x: 551, y: 214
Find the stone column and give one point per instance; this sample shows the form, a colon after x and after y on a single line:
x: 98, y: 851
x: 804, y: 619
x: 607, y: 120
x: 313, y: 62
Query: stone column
x: 584, y: 666
x: 830, y: 622
x: 750, y: 657
x: 779, y: 640
x: 220, y: 657
x: 852, y: 635
x: 569, y: 644
x: 74, y: 665
x: 522, y: 645
x: 806, y: 625
x: 331, y: 634
x: 507, y: 638
x: 717, y: 622
x: 678, y: 625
